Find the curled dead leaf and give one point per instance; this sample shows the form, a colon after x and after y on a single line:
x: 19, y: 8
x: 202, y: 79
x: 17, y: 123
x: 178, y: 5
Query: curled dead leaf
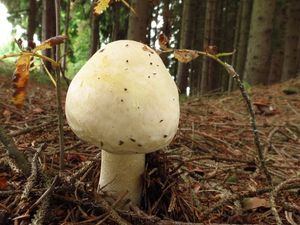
x: 49, y: 43
x: 20, y: 79
x: 185, y: 56
x: 147, y: 49
x: 163, y: 41
x: 211, y: 49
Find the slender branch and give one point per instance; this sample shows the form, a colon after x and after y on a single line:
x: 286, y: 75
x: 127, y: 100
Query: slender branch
x: 53, y: 62
x: 58, y: 90
x: 14, y: 153
x: 10, y: 55
x: 257, y: 141
x: 34, y: 174
x: 32, y: 128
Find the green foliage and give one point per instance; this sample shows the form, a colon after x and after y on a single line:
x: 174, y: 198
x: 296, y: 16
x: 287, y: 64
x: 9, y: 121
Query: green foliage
x: 80, y: 46
x: 7, y: 48
x: 248, y: 87
x: 7, y: 67
x: 18, y: 11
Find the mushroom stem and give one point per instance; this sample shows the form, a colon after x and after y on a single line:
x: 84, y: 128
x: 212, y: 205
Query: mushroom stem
x: 121, y: 174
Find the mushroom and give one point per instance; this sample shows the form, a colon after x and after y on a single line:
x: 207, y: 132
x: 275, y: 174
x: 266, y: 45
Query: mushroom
x: 124, y: 101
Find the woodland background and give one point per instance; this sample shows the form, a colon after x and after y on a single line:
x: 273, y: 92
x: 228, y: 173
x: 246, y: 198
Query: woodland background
x: 263, y: 33
x: 214, y: 171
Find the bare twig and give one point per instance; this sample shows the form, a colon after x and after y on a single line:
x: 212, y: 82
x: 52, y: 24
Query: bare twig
x: 58, y: 90
x: 45, y: 194
x: 247, y: 194
x: 34, y: 172
x: 14, y: 153
x: 32, y: 128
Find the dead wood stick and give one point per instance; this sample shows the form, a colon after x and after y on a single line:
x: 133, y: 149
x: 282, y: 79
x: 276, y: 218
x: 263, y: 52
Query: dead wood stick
x: 169, y: 222
x: 14, y: 153
x: 85, y: 166
x: 58, y: 90
x: 114, y: 215
x: 11, y: 109
x: 45, y: 194
x: 31, y: 128
x: 34, y: 172
x: 247, y: 194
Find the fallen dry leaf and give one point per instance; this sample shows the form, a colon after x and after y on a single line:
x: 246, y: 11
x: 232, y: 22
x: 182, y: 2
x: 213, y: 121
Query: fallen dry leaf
x: 37, y: 110
x: 254, y: 203
x: 3, y: 182
x: 185, y: 55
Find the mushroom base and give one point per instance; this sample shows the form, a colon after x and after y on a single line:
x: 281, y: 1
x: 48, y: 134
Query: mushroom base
x: 121, y: 175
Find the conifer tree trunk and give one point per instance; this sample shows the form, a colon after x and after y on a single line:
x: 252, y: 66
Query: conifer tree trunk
x: 120, y: 21
x: 185, y: 43
x: 237, y: 30
x: 48, y: 26
x: 32, y: 23
x: 116, y: 21
x: 209, y: 35
x: 166, y: 29
x: 139, y: 23
x: 95, y: 35
x: 197, y: 40
x: 243, y: 36
x: 291, y: 40
x: 259, y: 45
x: 277, y: 43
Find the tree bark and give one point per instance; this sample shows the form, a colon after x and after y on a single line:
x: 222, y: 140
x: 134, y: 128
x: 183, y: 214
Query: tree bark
x: 166, y: 29
x: 67, y: 21
x: 237, y: 30
x: 244, y: 36
x: 197, y: 40
x: 116, y: 21
x: 259, y: 45
x: 185, y: 43
x: 291, y: 40
x: 277, y: 44
x: 12, y: 151
x: 95, y: 32
x: 48, y: 27
x: 209, y: 35
x: 139, y: 23
x: 32, y: 23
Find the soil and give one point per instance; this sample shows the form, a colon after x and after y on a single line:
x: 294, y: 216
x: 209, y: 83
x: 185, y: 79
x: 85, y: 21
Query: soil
x: 210, y: 174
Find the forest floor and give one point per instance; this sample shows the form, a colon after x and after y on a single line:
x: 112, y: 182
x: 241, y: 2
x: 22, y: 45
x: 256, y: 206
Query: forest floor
x: 210, y: 173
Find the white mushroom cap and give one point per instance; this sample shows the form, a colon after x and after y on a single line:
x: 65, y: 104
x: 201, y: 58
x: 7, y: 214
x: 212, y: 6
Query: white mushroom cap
x: 124, y: 100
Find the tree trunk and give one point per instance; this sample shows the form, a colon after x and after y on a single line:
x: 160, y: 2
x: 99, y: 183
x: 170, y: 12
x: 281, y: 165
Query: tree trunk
x: 241, y: 54
x: 48, y: 27
x: 298, y: 57
x: 259, y: 45
x: 31, y: 27
x: 185, y: 43
x: 197, y: 40
x: 95, y: 35
x: 237, y: 30
x: 291, y: 40
x: 228, y: 39
x: 139, y: 23
x: 277, y: 44
x: 67, y: 21
x: 166, y: 29
x: 120, y: 22
x: 209, y: 39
